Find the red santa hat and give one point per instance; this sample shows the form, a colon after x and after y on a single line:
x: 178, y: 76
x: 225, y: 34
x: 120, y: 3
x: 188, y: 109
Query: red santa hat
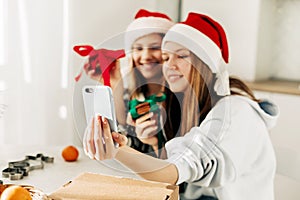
x: 144, y: 23
x: 207, y: 40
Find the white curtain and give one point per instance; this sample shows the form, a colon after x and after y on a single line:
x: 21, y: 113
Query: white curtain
x: 35, y: 76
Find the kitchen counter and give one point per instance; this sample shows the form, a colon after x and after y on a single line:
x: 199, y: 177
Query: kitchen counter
x: 276, y: 86
x: 54, y: 175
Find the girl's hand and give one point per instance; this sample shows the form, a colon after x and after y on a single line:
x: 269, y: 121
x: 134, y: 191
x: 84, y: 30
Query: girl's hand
x: 94, y: 74
x: 146, y: 128
x: 120, y: 139
x: 98, y: 142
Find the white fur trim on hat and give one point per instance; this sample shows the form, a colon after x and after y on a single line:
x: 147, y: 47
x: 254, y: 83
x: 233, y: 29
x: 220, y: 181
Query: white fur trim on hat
x: 197, y: 42
x: 203, y: 47
x: 144, y: 26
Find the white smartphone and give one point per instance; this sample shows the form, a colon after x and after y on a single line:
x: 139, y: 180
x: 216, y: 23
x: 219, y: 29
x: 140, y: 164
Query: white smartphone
x: 98, y: 100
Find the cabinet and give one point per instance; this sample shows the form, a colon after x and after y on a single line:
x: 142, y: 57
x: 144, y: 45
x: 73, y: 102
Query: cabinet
x: 285, y: 137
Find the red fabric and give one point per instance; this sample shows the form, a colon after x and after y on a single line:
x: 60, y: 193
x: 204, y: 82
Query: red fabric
x: 104, y: 59
x: 146, y: 13
x: 83, y: 50
x: 211, y: 29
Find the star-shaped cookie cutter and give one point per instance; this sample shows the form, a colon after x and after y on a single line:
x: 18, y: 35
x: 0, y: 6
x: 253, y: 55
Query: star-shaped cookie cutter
x: 18, y: 169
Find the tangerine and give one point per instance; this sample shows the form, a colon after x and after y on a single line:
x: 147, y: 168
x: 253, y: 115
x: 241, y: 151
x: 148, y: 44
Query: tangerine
x: 70, y: 153
x: 15, y: 192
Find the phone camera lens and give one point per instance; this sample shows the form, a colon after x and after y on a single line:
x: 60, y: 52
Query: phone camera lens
x: 89, y: 90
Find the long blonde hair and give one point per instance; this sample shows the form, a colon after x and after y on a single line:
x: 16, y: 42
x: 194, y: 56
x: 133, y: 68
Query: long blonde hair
x: 201, y: 97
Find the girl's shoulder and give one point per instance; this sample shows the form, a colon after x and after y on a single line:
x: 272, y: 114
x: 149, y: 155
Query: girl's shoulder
x: 237, y: 106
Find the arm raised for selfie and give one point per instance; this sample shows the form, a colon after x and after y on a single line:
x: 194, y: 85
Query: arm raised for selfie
x: 146, y: 166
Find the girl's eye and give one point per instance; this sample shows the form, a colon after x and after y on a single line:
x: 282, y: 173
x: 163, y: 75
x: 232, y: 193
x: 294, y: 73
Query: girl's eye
x: 183, y: 56
x: 155, y: 48
x: 137, y: 48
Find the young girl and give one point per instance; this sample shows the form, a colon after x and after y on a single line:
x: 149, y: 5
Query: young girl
x: 224, y: 151
x: 140, y: 80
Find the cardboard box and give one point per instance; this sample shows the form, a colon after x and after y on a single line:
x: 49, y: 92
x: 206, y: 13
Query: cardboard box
x: 96, y: 186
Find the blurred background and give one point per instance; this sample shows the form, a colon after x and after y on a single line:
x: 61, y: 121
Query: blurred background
x: 38, y: 65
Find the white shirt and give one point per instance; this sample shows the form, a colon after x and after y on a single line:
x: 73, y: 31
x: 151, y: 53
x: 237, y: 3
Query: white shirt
x: 230, y: 154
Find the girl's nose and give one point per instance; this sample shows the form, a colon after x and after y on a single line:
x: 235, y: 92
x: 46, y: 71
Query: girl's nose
x: 170, y: 64
x: 146, y: 53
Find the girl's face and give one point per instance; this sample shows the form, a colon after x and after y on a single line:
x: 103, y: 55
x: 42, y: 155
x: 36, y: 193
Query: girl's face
x: 177, y: 66
x: 146, y: 54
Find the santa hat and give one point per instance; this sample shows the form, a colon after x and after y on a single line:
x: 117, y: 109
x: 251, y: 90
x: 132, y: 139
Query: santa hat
x: 207, y: 40
x: 144, y: 23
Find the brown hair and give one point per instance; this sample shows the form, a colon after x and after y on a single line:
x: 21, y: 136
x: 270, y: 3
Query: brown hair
x: 201, y: 97
x: 139, y: 85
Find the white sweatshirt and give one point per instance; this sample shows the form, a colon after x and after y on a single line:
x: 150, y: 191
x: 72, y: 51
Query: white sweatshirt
x: 230, y: 155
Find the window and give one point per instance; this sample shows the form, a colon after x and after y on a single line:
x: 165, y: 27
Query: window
x: 3, y: 24
x: 286, y: 40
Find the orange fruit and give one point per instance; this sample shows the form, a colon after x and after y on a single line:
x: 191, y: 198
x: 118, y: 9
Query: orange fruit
x: 70, y: 153
x: 15, y: 192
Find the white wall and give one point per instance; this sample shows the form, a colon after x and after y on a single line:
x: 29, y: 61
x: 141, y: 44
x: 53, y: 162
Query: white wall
x: 240, y: 19
x: 286, y: 40
x: 263, y: 35
x: 40, y: 65
x: 33, y: 74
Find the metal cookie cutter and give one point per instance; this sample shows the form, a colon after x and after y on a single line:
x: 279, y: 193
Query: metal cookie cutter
x: 18, y: 169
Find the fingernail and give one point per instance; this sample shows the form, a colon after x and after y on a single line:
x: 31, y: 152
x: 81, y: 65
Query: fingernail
x: 98, y: 120
x: 115, y: 135
x: 151, y: 114
x: 104, y: 120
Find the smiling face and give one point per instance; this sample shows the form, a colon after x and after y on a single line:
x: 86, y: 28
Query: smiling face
x: 177, y: 66
x: 146, y: 54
